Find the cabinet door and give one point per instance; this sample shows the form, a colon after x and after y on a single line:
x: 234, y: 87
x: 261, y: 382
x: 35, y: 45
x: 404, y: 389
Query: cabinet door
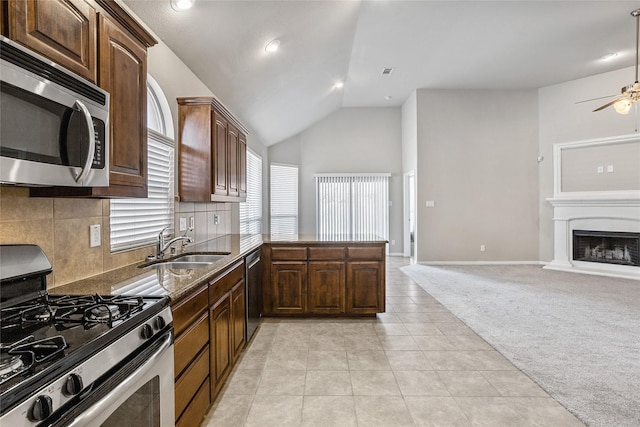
x: 219, y: 155
x: 326, y: 287
x: 123, y: 73
x: 220, y: 343
x: 242, y: 166
x: 289, y: 287
x: 194, y: 152
x: 233, y: 140
x: 365, y: 287
x: 238, y: 321
x: 62, y: 30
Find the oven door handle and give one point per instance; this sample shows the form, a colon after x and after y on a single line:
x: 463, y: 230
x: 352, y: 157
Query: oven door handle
x: 117, y: 392
x: 79, y: 105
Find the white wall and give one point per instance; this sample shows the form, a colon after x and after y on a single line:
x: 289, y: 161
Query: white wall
x: 562, y: 120
x: 360, y: 140
x: 477, y: 161
x: 410, y: 133
x: 177, y: 80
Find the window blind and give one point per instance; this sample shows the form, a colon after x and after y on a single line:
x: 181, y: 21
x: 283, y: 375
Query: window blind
x: 284, y: 199
x: 353, y: 205
x: 251, y: 210
x: 137, y: 222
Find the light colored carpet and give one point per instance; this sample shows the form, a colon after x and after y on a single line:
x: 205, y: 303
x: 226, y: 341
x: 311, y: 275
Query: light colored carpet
x: 577, y: 336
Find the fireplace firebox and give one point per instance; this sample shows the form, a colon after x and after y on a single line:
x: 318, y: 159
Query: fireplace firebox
x: 606, y: 247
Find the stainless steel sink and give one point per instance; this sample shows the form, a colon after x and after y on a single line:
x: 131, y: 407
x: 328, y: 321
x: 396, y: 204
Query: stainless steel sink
x: 198, y: 258
x: 186, y: 262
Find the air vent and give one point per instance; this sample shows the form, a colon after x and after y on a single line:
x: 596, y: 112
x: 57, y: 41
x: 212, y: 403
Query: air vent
x: 387, y: 71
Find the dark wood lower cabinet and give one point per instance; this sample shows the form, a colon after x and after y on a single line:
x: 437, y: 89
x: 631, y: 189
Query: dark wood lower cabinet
x: 198, y: 408
x: 365, y: 294
x: 220, y: 316
x: 326, y: 287
x: 238, y: 320
x: 324, y: 279
x: 289, y: 287
x: 228, y: 324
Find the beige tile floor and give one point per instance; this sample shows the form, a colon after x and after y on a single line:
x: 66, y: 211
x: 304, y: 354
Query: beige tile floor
x: 415, y: 365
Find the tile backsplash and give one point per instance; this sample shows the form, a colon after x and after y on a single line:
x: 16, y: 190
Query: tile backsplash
x: 61, y: 228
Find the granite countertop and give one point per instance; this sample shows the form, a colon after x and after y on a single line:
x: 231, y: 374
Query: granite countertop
x: 175, y: 283
x: 164, y: 281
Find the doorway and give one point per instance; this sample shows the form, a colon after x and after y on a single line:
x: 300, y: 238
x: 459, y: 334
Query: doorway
x: 410, y: 243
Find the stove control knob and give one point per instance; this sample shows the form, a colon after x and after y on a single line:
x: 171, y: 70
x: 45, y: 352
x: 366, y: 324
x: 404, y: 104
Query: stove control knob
x: 147, y: 331
x: 41, y: 409
x: 73, y: 385
x: 160, y: 323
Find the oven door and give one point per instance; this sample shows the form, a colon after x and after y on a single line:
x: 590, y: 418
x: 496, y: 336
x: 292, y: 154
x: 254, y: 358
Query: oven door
x: 140, y: 393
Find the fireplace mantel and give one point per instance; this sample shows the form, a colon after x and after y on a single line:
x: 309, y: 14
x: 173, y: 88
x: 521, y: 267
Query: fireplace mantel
x: 592, y: 213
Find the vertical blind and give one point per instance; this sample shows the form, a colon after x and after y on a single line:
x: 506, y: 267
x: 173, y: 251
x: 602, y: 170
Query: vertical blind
x: 251, y: 210
x: 356, y: 205
x: 137, y: 222
x: 284, y: 199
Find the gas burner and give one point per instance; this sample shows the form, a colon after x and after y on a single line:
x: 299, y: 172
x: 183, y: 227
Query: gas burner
x: 40, y: 350
x: 10, y: 364
x: 103, y: 313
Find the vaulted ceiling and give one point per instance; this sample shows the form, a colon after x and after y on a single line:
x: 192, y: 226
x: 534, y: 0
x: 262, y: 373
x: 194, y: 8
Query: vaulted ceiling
x: 429, y: 44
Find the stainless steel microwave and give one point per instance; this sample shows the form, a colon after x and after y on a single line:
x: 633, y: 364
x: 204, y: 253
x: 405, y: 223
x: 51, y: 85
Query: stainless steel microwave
x: 54, y: 125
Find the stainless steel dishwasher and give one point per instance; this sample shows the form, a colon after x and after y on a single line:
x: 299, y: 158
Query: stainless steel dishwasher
x: 253, y: 275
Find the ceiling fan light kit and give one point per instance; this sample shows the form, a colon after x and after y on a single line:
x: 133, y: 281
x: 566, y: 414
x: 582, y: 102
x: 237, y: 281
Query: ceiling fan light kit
x: 630, y: 93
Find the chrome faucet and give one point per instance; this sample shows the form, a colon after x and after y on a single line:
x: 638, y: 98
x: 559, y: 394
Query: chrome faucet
x: 163, y: 246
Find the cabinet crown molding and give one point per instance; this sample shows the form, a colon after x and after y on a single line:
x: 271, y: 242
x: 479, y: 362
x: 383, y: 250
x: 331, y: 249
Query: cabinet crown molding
x: 219, y: 106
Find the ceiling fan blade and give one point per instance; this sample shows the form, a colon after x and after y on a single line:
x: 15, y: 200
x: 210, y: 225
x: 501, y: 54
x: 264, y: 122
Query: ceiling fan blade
x: 595, y: 99
x: 607, y: 105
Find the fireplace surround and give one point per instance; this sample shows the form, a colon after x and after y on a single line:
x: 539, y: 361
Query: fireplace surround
x: 596, y: 231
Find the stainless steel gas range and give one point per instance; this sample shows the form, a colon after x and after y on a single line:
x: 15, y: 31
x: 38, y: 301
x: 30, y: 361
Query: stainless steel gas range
x: 80, y: 360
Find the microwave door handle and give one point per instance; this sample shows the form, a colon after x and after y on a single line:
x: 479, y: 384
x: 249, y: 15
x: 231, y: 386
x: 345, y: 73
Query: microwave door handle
x: 78, y: 105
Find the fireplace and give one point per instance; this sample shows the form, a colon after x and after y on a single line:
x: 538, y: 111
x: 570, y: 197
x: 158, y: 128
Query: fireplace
x: 606, y: 247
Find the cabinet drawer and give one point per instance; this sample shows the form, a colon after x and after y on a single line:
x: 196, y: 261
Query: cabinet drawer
x: 223, y: 283
x: 190, y: 342
x: 326, y: 253
x: 187, y: 310
x: 365, y: 252
x: 188, y: 384
x: 198, y: 408
x: 289, y: 254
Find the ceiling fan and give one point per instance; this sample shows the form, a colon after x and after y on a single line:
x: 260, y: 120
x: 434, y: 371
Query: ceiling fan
x: 630, y: 93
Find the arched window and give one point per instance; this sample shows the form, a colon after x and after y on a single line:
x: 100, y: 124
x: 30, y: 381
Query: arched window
x: 137, y: 222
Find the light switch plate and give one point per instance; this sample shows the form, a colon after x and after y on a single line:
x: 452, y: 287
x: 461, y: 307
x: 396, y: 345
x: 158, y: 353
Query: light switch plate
x: 94, y: 235
x: 609, y: 168
x: 183, y: 224
x: 430, y: 203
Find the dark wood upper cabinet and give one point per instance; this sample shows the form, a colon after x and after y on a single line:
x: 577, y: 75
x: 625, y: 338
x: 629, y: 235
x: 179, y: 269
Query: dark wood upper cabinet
x: 100, y: 41
x: 242, y: 166
x: 62, y: 30
x: 219, y: 175
x: 219, y: 158
x: 123, y: 73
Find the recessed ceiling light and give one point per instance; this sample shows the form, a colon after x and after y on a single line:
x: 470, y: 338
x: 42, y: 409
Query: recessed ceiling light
x: 272, y: 46
x: 608, y: 56
x: 180, y: 5
x: 339, y: 85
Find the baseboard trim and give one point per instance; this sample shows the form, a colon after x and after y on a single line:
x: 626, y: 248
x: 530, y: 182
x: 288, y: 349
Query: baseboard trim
x: 481, y: 262
x: 396, y: 254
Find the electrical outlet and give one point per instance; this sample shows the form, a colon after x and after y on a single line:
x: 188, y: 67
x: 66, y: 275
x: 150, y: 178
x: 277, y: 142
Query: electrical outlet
x: 483, y: 248
x: 393, y: 242
x: 600, y: 169
x: 430, y: 203
x: 94, y: 235
x: 216, y: 219
x: 610, y: 168
x: 183, y: 224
